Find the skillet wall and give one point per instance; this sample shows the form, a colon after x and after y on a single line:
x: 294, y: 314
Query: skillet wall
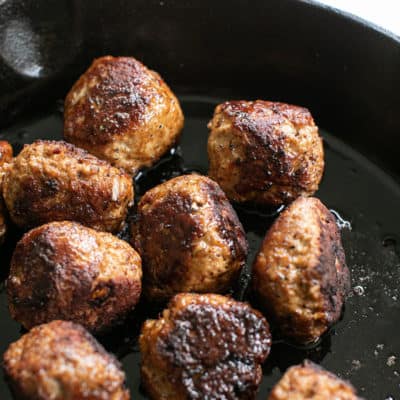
x: 345, y: 71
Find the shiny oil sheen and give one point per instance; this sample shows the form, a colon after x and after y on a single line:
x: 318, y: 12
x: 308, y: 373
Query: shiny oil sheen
x: 364, y: 347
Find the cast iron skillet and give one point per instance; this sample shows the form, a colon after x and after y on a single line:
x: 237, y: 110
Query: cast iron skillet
x: 343, y: 69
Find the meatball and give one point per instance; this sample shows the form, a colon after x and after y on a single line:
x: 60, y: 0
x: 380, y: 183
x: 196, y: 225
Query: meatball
x: 122, y: 112
x: 56, y: 181
x: 189, y: 238
x: 6, y: 153
x: 64, y: 270
x: 300, y: 275
x: 264, y: 152
x: 311, y: 382
x: 204, y: 347
x: 61, y: 360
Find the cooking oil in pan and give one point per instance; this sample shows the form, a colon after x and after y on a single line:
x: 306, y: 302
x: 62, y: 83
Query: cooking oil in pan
x: 364, y: 346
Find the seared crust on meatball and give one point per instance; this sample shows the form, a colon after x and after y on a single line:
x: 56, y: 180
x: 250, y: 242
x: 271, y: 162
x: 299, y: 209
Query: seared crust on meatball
x: 264, y: 152
x: 6, y: 153
x: 204, y: 347
x: 309, y: 381
x: 300, y: 275
x: 61, y: 360
x: 64, y: 270
x: 122, y: 112
x: 55, y: 181
x: 189, y: 237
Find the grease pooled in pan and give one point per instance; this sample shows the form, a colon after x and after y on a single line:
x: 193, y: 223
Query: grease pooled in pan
x: 364, y: 346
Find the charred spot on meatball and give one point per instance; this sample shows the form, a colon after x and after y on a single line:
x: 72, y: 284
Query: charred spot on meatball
x: 264, y: 152
x: 300, y: 275
x: 64, y: 270
x: 309, y: 381
x: 203, y: 347
x: 61, y: 360
x: 122, y: 112
x: 189, y: 238
x: 55, y: 181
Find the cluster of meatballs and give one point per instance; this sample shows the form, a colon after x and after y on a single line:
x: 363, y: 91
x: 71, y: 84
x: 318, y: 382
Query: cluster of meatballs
x: 71, y: 277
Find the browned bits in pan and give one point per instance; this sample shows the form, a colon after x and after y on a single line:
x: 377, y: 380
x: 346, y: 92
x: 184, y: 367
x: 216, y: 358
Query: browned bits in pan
x: 204, y: 347
x: 64, y: 270
x: 122, y: 112
x: 300, y: 276
x: 55, y: 181
x: 189, y: 237
x: 264, y: 152
x: 61, y: 360
x: 309, y: 381
x: 6, y: 153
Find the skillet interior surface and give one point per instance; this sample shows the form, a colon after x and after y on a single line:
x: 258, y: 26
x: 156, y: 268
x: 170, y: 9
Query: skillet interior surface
x: 344, y: 70
x: 364, y: 346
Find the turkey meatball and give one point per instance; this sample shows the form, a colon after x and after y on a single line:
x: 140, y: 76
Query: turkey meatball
x: 122, y: 112
x: 64, y: 270
x: 311, y: 382
x: 56, y: 181
x: 264, y: 152
x: 6, y: 153
x: 299, y: 275
x: 61, y: 360
x: 204, y: 347
x: 189, y: 238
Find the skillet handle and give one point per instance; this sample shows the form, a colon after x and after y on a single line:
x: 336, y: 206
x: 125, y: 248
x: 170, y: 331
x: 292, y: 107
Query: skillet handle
x: 39, y: 40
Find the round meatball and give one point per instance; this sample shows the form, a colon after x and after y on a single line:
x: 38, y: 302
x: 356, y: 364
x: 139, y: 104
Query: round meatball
x: 61, y: 360
x: 264, y: 152
x: 189, y: 237
x: 311, y: 382
x: 204, y: 347
x: 64, y: 270
x: 55, y: 181
x: 300, y: 275
x: 6, y: 153
x: 122, y: 112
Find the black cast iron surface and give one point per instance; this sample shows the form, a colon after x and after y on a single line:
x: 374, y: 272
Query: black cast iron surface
x: 364, y: 346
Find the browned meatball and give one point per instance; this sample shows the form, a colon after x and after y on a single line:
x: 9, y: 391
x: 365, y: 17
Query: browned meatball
x: 56, y: 181
x: 311, y: 382
x: 299, y: 275
x: 61, y: 360
x: 204, y: 347
x: 264, y: 152
x: 64, y: 270
x: 189, y: 237
x: 122, y: 112
x: 6, y: 153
